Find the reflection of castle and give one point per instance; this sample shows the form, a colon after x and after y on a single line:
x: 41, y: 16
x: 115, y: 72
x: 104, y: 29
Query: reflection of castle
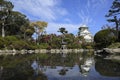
x: 83, y: 31
x: 85, y: 68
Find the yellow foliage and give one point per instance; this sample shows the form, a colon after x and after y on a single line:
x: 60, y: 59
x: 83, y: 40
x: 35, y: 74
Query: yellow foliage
x: 41, y: 25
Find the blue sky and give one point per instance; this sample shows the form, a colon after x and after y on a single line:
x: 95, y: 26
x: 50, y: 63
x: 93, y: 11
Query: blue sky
x: 70, y: 14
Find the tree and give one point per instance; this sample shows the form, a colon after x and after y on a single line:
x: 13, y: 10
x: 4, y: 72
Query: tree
x: 104, y: 38
x: 18, y: 24
x: 39, y: 27
x: 12, y: 22
x: 5, y: 10
x: 63, y: 30
x: 115, y: 11
x: 26, y: 30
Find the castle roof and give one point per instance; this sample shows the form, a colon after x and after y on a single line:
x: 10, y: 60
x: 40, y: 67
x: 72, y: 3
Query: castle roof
x: 83, y: 25
x: 85, y: 31
x: 87, y: 37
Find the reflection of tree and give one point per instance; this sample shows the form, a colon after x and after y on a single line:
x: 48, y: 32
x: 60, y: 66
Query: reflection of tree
x: 107, y: 67
x: 38, y: 71
x: 18, y: 67
x: 57, y: 59
x: 63, y: 70
x: 19, y: 72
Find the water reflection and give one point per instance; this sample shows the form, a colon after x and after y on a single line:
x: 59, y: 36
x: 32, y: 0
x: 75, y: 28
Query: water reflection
x: 35, y: 67
x: 85, y: 68
x: 79, y: 66
x: 108, y: 67
x: 18, y: 67
x: 1, y: 71
x: 64, y: 69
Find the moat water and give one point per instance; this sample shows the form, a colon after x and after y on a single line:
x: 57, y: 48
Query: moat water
x: 72, y: 66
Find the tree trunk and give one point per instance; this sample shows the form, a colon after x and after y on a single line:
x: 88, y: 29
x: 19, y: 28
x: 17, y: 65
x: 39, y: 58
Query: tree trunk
x: 3, y: 30
x: 24, y: 35
x: 117, y: 31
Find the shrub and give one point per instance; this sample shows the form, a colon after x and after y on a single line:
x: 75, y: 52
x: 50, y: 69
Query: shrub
x: 74, y: 46
x: 9, y: 40
x: 43, y: 46
x: 19, y: 45
x: 104, y: 38
x: 2, y: 42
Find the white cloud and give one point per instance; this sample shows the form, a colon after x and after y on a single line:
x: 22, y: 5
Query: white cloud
x: 46, y: 9
x: 92, y: 9
x: 40, y: 9
x: 54, y: 27
x: 67, y: 20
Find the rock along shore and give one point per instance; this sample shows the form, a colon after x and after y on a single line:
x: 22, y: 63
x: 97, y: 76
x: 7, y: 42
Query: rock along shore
x: 13, y: 52
x: 108, y: 51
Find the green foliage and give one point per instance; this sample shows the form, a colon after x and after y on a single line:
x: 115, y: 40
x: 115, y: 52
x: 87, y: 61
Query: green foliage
x: 55, y: 41
x: 87, y: 45
x: 12, y: 42
x: 11, y: 38
x: 7, y: 41
x: 20, y: 45
x: 74, y: 45
x: 104, y: 38
x: 18, y: 24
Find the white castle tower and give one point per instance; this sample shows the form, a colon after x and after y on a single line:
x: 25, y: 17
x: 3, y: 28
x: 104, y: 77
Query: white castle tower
x: 83, y: 31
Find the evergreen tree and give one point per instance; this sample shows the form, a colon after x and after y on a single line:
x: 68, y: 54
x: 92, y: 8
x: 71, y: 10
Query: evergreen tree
x: 115, y: 12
